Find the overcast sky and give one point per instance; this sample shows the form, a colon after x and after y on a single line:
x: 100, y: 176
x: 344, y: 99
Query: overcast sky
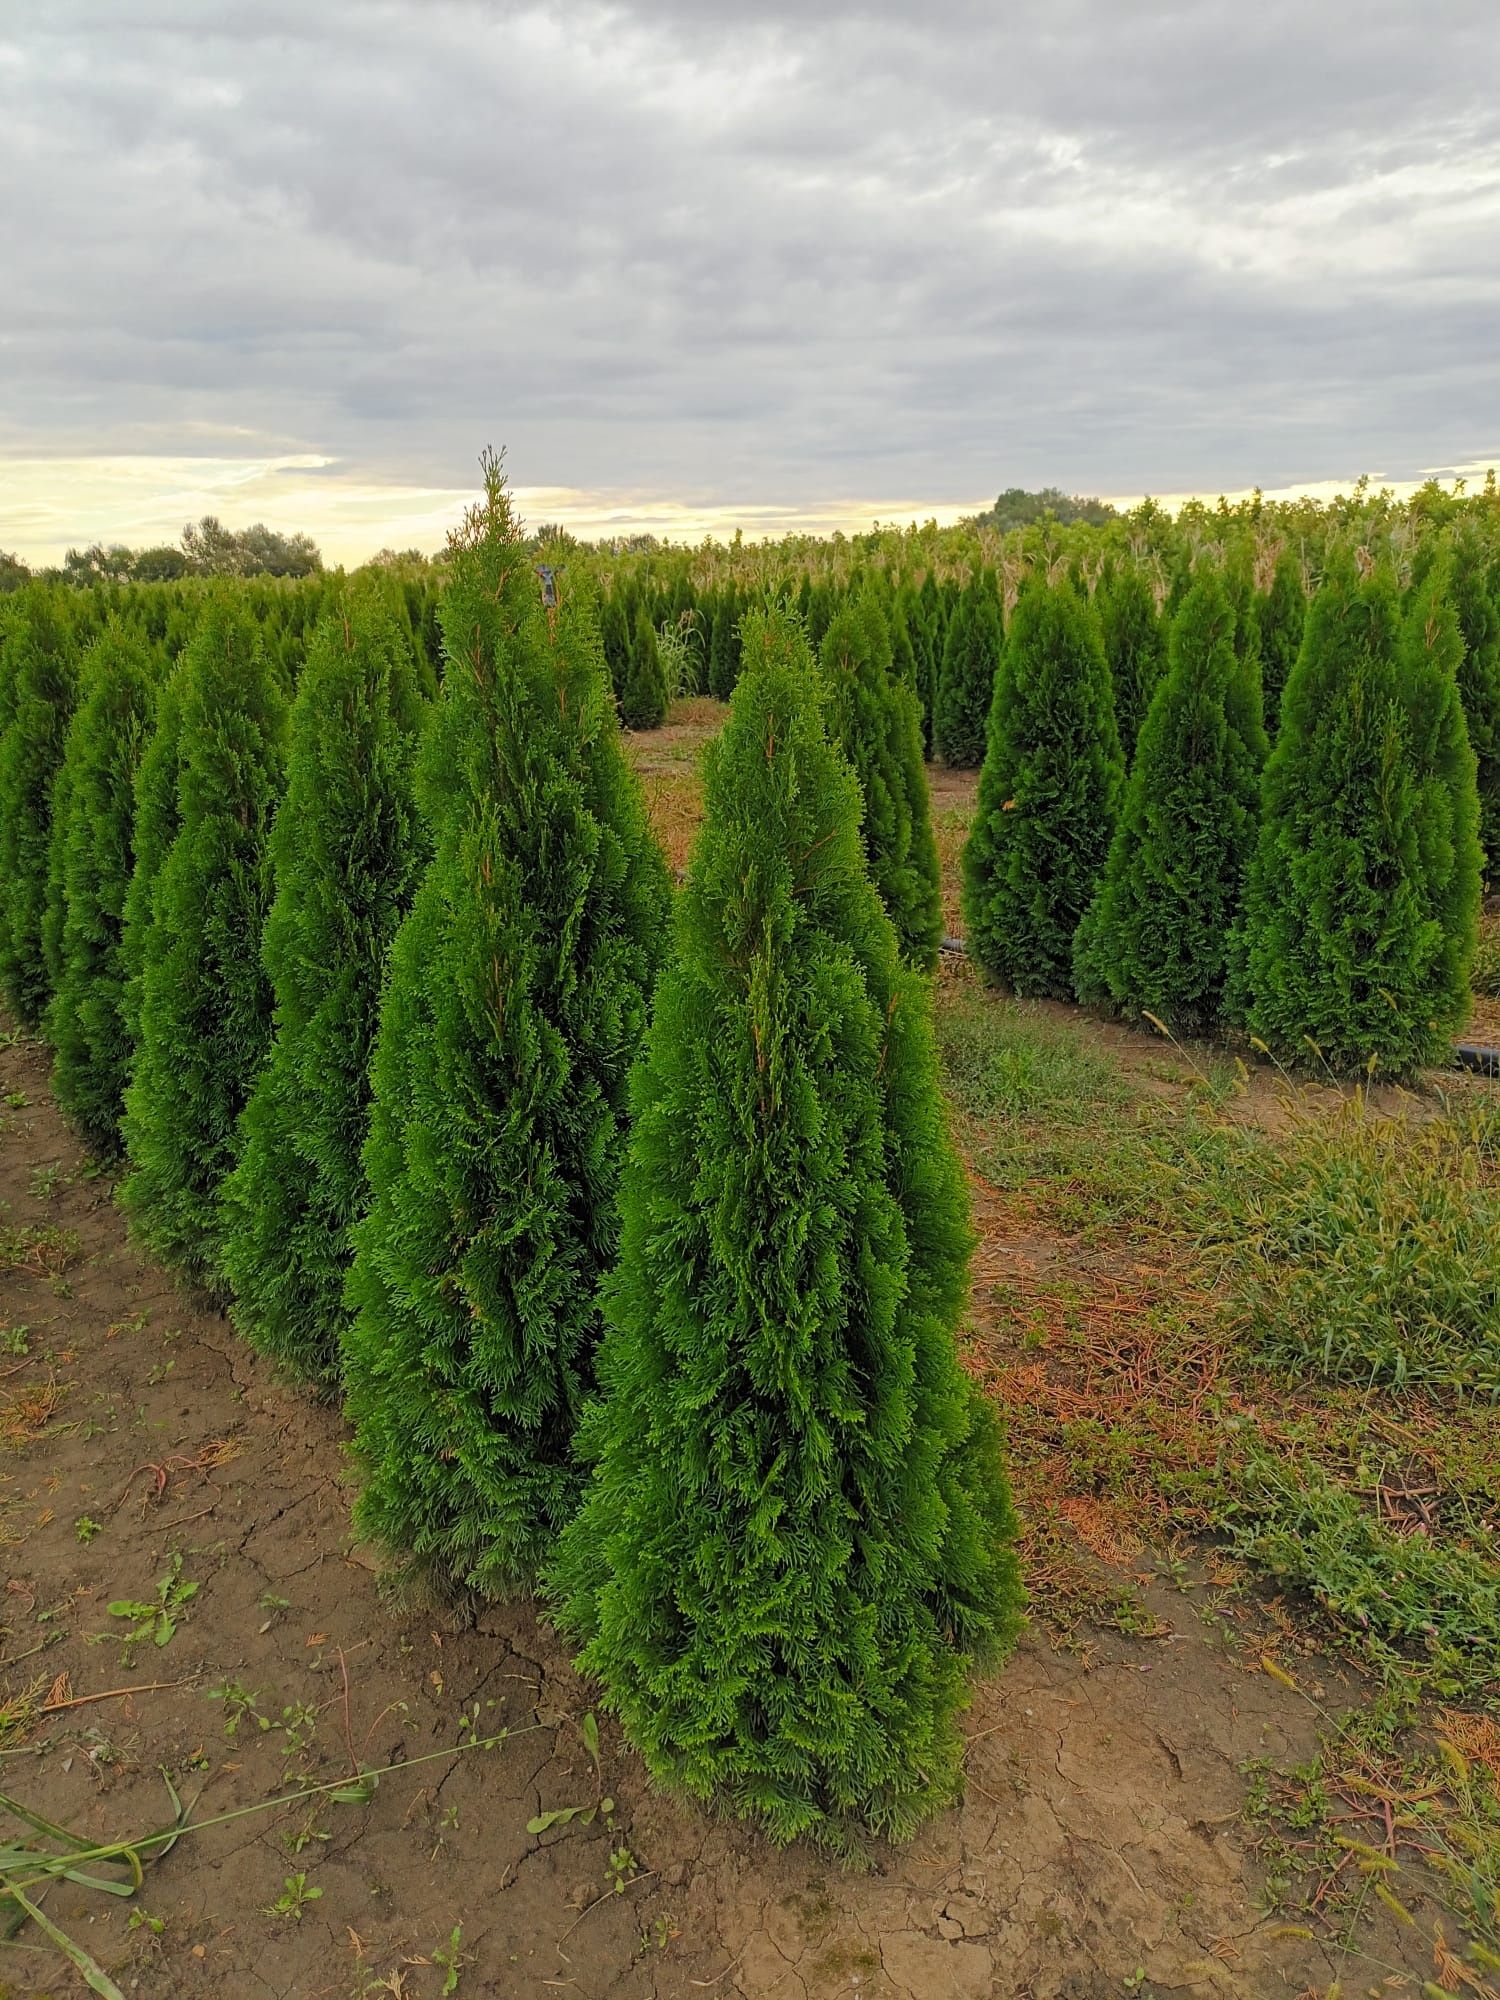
x: 698, y: 265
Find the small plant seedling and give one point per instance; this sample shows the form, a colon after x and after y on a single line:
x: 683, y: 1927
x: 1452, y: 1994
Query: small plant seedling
x: 142, y: 1920
x: 239, y: 1702
x: 620, y: 1868
x: 46, y: 1180
x: 13, y: 1340
x: 451, y: 1958
x: 17, y: 1099
x: 159, y: 1620
x: 296, y: 1893
x: 85, y: 1528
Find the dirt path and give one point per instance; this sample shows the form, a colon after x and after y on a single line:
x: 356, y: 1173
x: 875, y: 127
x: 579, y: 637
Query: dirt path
x: 1097, y: 1852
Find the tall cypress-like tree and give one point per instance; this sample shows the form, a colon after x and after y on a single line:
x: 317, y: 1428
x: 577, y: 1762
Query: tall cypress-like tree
x: 154, y: 828
x: 1475, y: 589
x: 1155, y: 938
x: 86, y: 1021
x: 1282, y: 614
x: 1049, y: 794
x: 205, y: 1003
x: 643, y: 700
x: 1135, y: 644
x: 41, y: 696
x: 724, y: 648
x: 798, y: 1530
x: 873, y: 718
x: 972, y: 646
x: 517, y: 999
x: 1359, y: 879
x: 346, y: 853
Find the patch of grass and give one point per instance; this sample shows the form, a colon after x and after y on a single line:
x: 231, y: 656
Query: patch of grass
x: 42, y: 1249
x: 1486, y: 977
x: 1368, y: 1249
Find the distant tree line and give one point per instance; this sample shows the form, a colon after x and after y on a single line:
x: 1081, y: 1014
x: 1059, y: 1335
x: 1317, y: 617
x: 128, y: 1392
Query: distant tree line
x: 208, y: 549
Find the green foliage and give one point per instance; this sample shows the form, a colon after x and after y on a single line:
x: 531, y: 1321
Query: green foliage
x: 205, y: 1001
x: 1362, y: 895
x: 1016, y: 508
x: 1475, y: 590
x: 345, y: 854
x: 1135, y: 644
x: 971, y: 648
x: 86, y: 1022
x: 643, y: 699
x: 1281, y: 617
x: 156, y: 820
x: 516, y: 1001
x: 1369, y: 1250
x: 1049, y: 794
x: 1155, y: 939
x: 798, y: 1529
x: 41, y: 689
x: 724, y: 648
x: 874, y: 719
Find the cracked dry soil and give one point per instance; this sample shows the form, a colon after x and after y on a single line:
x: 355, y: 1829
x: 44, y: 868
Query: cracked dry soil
x: 1096, y: 1852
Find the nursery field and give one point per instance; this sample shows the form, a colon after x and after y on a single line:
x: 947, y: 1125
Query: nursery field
x: 1248, y: 1745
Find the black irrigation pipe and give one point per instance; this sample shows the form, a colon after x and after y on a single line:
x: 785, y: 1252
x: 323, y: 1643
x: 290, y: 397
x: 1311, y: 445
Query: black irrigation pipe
x: 1475, y: 1056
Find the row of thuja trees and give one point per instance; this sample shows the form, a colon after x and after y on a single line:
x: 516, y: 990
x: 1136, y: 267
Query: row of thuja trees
x: 626, y: 1222
x: 1323, y: 895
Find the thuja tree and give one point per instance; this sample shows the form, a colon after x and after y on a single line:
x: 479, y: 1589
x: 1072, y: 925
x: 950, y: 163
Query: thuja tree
x: 643, y: 699
x: 1049, y: 794
x: 154, y: 828
x: 517, y: 999
x: 1281, y: 614
x: 797, y: 1534
x: 1362, y: 874
x: 966, y: 676
x: 345, y: 853
x: 1135, y: 646
x: 205, y: 1003
x: 40, y: 699
x: 86, y: 1021
x: 1155, y: 939
x: 1475, y: 591
x: 873, y: 718
x: 724, y: 647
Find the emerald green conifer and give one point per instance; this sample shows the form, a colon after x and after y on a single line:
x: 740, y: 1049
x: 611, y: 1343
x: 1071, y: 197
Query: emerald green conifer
x: 1475, y: 590
x: 1049, y: 794
x: 1362, y: 875
x: 724, y: 648
x: 1136, y: 647
x: 873, y: 718
x: 643, y: 700
x: 966, y: 677
x: 42, y: 691
x: 345, y: 854
x: 154, y: 829
x: 1155, y: 939
x: 517, y: 998
x: 798, y: 1533
x: 86, y: 1021
x: 1282, y: 614
x: 205, y: 1002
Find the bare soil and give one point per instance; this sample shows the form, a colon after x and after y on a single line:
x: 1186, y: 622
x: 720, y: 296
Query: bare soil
x: 1099, y: 1850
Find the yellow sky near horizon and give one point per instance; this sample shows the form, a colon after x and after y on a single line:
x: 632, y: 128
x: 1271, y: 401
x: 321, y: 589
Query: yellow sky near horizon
x: 48, y: 505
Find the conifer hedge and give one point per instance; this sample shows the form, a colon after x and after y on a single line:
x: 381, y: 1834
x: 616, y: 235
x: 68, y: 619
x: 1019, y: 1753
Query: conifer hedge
x: 205, y: 1002
x: 1156, y: 937
x: 41, y: 691
x: 1135, y: 645
x: 95, y: 848
x: 972, y: 643
x: 874, y: 719
x: 1282, y: 615
x: 1362, y: 895
x: 643, y: 699
x: 517, y: 998
x: 345, y: 852
x: 797, y: 1534
x: 1049, y: 794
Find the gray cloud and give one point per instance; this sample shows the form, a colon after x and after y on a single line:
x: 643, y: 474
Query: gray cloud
x: 751, y: 255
